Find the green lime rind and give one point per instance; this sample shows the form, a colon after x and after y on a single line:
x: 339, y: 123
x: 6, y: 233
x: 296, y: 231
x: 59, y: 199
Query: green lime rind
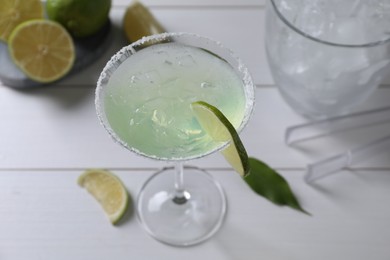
x: 262, y: 179
x: 266, y: 182
x: 82, y: 18
x: 215, y: 123
x: 102, y: 195
x: 115, y: 220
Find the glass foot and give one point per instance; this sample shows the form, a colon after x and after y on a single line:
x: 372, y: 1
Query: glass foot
x: 186, y: 218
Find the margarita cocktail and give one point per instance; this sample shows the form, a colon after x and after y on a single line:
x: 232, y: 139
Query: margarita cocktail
x: 144, y: 98
x: 147, y: 100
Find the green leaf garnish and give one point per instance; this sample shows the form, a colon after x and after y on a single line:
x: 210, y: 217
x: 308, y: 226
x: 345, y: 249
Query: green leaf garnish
x: 266, y: 182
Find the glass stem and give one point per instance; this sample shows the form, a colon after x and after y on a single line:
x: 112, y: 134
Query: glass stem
x: 181, y: 196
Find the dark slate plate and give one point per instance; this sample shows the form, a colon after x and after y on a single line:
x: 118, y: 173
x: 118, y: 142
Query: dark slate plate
x: 87, y: 51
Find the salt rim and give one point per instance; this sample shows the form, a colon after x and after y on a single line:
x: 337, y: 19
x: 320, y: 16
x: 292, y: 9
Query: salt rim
x: 118, y: 58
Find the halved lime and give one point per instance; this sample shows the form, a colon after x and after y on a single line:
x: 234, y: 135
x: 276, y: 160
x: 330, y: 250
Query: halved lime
x: 215, y: 123
x: 42, y: 49
x: 108, y: 190
x: 14, y: 12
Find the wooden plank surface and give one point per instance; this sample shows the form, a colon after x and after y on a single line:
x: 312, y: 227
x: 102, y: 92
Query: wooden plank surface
x: 240, y: 29
x: 50, y: 135
x: 193, y: 3
x: 50, y: 217
x: 58, y: 128
x: 219, y: 24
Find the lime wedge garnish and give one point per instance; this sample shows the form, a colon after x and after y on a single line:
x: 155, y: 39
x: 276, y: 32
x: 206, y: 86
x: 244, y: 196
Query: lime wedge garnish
x: 108, y: 190
x: 214, y: 122
x: 262, y: 179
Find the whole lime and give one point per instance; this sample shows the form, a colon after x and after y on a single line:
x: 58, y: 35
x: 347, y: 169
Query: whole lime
x: 80, y: 17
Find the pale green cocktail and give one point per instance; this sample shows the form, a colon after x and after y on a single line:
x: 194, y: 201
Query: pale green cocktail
x: 143, y: 99
x: 147, y: 99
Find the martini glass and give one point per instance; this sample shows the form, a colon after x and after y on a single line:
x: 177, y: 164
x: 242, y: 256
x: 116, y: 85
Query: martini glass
x: 143, y: 99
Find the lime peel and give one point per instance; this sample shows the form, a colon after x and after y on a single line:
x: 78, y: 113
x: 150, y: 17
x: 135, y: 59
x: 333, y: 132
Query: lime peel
x: 108, y: 190
x: 82, y: 18
x: 262, y: 179
x: 215, y: 123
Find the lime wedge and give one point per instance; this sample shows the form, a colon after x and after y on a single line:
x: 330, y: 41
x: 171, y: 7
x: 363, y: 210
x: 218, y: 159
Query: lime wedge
x: 214, y: 122
x: 108, y: 190
x: 138, y: 22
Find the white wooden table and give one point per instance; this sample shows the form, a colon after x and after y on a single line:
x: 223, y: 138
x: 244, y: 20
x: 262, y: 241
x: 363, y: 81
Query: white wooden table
x: 49, y: 135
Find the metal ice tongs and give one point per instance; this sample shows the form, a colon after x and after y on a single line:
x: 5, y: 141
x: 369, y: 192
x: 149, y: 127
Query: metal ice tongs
x: 327, y: 126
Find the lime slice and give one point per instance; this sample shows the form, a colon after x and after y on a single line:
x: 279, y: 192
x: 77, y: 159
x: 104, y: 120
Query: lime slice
x: 14, y: 12
x: 42, y: 49
x: 108, y: 190
x: 214, y: 122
